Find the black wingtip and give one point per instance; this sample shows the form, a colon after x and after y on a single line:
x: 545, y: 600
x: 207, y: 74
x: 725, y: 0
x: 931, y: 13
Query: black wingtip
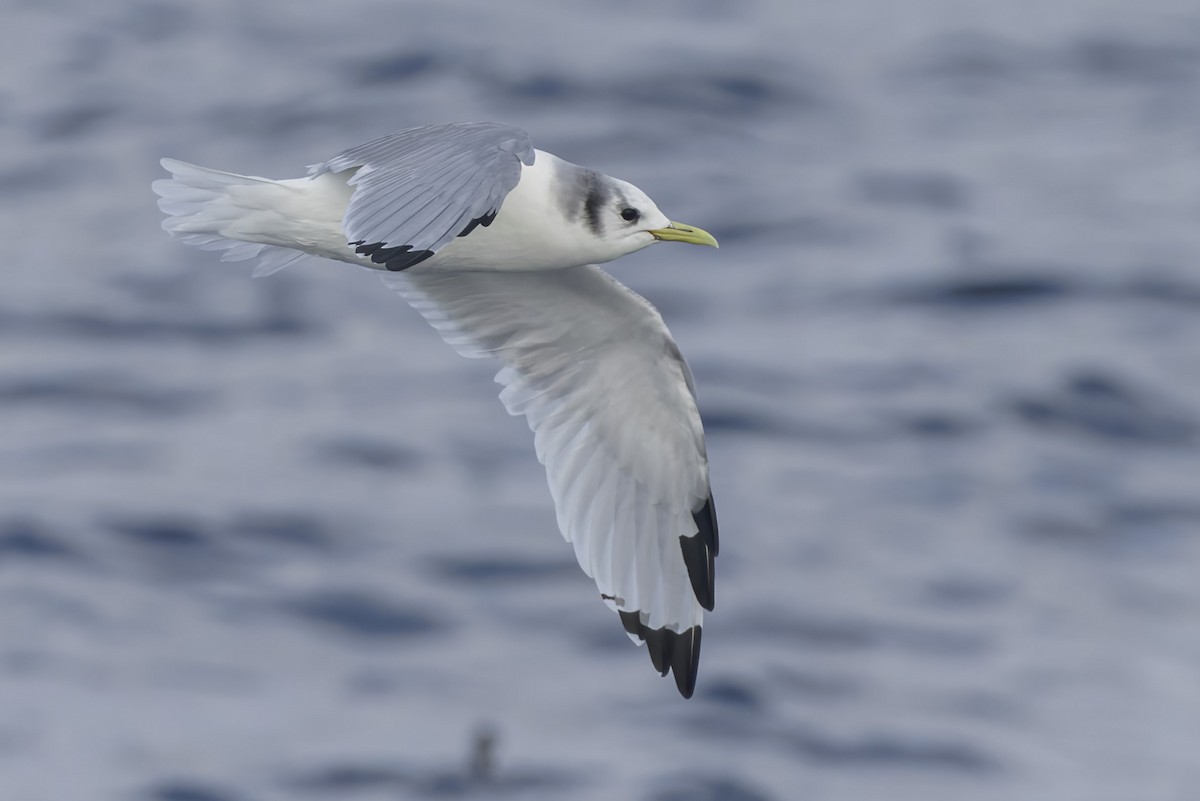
x: 706, y: 521
x: 699, y: 551
x: 686, y: 664
x: 393, y: 259
x: 485, y: 221
x: 672, y: 652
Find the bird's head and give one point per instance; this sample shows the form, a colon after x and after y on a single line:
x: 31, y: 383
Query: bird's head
x: 633, y: 217
x: 618, y: 218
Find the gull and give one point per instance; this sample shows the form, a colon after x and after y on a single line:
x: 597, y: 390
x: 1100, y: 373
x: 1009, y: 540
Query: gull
x: 495, y: 244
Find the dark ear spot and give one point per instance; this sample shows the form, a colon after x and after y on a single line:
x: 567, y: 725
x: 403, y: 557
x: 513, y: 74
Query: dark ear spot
x: 593, y: 203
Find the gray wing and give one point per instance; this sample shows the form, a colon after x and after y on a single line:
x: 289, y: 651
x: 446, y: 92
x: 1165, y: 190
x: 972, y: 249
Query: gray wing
x: 594, y: 370
x: 418, y: 189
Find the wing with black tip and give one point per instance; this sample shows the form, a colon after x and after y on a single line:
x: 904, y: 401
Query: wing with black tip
x: 418, y: 189
x: 595, y: 372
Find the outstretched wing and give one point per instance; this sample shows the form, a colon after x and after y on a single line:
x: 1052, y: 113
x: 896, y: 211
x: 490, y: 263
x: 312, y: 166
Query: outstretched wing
x: 609, y: 398
x: 416, y: 190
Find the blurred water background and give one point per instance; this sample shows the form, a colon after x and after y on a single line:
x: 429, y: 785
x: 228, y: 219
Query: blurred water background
x: 272, y: 539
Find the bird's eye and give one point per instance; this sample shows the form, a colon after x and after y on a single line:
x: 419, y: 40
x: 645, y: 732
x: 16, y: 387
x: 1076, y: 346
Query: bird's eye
x: 630, y: 215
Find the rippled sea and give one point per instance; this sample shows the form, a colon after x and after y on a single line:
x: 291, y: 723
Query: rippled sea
x: 272, y: 539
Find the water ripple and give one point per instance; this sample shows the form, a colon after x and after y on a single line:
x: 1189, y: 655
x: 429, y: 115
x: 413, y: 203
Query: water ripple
x: 364, y: 615
x: 22, y: 539
x: 1104, y: 405
x: 708, y: 788
x: 892, y: 750
x: 190, y: 790
x: 99, y: 391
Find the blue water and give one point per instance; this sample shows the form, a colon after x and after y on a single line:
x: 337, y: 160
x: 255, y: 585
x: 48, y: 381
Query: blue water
x: 272, y: 539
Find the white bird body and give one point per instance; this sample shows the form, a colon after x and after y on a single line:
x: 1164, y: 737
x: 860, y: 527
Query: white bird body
x: 308, y: 214
x: 494, y: 243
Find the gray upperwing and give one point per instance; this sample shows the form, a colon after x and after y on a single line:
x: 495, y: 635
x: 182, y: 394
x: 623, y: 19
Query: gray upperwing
x: 418, y: 189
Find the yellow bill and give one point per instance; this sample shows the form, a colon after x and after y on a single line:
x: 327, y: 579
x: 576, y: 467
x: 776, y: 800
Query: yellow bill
x: 679, y: 232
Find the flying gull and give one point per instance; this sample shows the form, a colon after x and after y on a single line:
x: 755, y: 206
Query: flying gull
x: 495, y: 244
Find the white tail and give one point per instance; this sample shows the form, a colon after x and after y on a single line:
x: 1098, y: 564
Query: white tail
x: 216, y: 210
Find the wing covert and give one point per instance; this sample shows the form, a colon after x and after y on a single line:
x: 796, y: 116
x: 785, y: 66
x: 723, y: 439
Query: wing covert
x: 418, y: 189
